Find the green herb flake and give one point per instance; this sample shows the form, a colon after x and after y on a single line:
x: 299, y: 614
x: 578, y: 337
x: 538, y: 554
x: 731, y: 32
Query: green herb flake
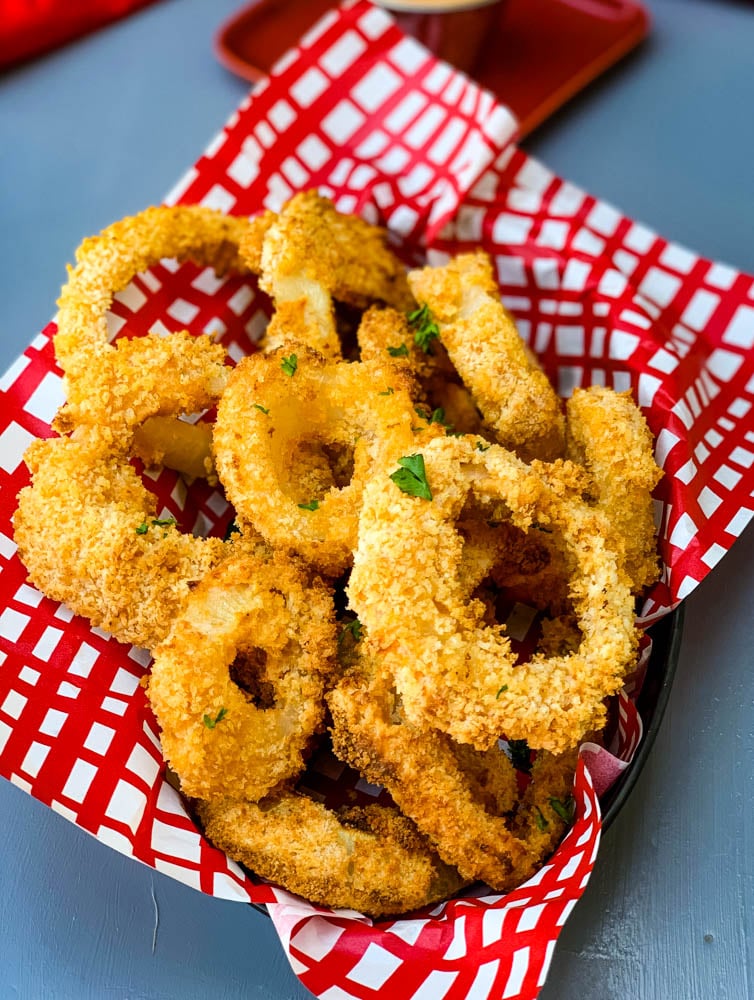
x: 290, y: 364
x: 438, y: 417
x: 425, y: 328
x: 520, y: 755
x: 353, y: 629
x: 258, y: 406
x: 411, y: 478
x: 542, y: 823
x: 481, y: 446
x: 565, y: 809
x: 312, y: 505
x: 157, y: 522
x: 388, y: 392
x: 398, y: 352
x: 501, y: 690
x: 210, y: 723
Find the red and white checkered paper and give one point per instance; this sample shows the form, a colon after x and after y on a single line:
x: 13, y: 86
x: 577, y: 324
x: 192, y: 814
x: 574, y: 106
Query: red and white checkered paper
x: 371, y: 119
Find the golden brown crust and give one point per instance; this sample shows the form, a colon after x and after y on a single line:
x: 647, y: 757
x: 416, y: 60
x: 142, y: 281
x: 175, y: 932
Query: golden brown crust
x: 370, y: 860
x: 509, y: 388
x: 452, y: 670
x: 608, y: 435
x: 256, y: 616
x: 101, y: 552
x: 273, y: 462
x: 106, y: 263
x: 313, y: 254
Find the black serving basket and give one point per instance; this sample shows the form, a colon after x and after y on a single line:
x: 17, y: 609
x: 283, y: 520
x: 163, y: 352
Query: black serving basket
x: 651, y: 704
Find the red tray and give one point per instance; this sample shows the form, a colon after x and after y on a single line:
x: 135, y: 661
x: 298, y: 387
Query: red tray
x: 540, y: 53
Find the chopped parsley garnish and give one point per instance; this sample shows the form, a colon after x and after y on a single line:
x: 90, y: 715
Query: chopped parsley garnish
x: 388, y: 392
x: 258, y: 406
x: 501, y: 690
x: 290, y: 364
x: 354, y: 629
x: 542, y: 823
x: 424, y: 327
x: 210, y: 723
x: 519, y: 754
x: 565, y: 809
x: 157, y: 522
x: 481, y: 446
x: 411, y: 478
x: 398, y: 352
x: 438, y: 417
x: 312, y: 505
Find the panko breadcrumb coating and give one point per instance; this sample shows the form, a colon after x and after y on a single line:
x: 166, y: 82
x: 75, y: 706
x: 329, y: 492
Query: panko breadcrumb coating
x: 370, y: 859
x: 313, y: 254
x: 88, y: 533
x: 105, y: 264
x: 507, y: 384
x: 281, y: 430
x: 248, y: 614
x: 451, y: 669
x: 607, y: 434
x: 391, y: 463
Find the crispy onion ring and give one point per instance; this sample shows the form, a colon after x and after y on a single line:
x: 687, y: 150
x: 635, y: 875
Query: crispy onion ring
x: 268, y: 625
x: 426, y: 779
x: 126, y: 387
x: 453, y: 671
x: 105, y: 553
x: 283, y: 444
x: 508, y: 385
x: 607, y: 434
x: 384, y: 335
x: 106, y: 263
x: 312, y: 254
x: 371, y: 859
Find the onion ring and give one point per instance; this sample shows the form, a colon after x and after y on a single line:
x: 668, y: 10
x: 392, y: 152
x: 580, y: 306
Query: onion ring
x: 425, y: 778
x: 312, y: 254
x: 384, y: 336
x: 453, y: 671
x: 372, y: 859
x: 107, y: 263
x: 125, y: 386
x: 509, y: 387
x: 608, y: 435
x: 245, y: 614
x: 105, y: 553
x: 277, y: 436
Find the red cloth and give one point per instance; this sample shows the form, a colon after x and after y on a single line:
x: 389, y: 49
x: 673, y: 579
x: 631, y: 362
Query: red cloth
x: 31, y: 27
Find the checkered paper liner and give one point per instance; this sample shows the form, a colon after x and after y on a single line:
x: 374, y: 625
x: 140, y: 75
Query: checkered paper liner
x: 371, y: 119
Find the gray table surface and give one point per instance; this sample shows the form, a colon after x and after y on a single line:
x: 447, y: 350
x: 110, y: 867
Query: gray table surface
x: 104, y: 127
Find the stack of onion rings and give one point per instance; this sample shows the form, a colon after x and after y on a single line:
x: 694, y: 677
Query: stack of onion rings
x: 440, y: 466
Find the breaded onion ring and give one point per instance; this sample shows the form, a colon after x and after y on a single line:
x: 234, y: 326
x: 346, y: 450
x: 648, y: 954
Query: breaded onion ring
x: 104, y: 552
x: 126, y: 386
x: 385, y: 336
x: 312, y: 254
x: 453, y: 671
x: 428, y: 781
x: 370, y: 859
x: 507, y: 384
x: 262, y: 623
x: 608, y: 435
x: 295, y: 438
x: 105, y: 264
